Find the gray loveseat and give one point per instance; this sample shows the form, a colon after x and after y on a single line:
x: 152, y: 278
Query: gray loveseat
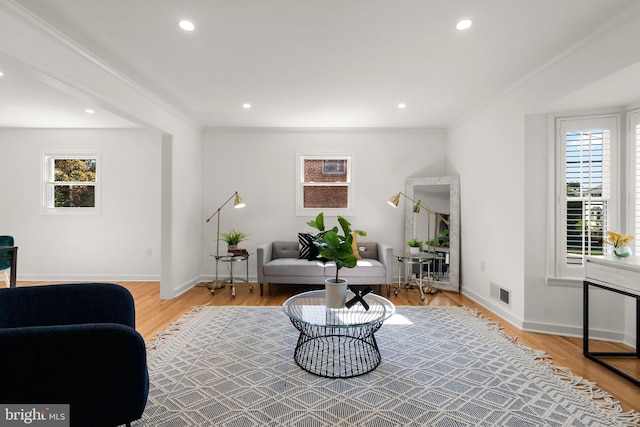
x: 278, y: 263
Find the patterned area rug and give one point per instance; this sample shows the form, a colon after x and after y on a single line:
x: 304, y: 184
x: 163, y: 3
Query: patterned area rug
x: 441, y: 366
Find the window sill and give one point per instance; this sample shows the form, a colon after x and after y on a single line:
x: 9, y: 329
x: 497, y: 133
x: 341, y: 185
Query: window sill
x: 565, y: 282
x: 70, y: 211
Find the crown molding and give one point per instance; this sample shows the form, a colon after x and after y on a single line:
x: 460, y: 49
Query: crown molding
x: 322, y: 130
x: 44, y: 29
x: 598, y: 33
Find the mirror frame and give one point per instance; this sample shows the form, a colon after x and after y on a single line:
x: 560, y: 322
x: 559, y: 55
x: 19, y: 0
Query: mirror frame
x: 454, y: 226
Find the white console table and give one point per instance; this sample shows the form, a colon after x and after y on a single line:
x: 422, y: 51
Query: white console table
x: 621, y: 276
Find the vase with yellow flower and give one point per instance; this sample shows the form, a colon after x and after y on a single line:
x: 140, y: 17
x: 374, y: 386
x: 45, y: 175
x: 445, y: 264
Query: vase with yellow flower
x: 620, y: 244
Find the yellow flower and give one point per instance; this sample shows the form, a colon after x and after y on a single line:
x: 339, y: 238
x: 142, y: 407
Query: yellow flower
x: 618, y: 239
x: 624, y: 240
x: 613, y: 236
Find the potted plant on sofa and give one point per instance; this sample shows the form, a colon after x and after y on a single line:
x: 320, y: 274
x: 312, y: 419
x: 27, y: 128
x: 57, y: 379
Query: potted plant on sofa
x: 339, y: 249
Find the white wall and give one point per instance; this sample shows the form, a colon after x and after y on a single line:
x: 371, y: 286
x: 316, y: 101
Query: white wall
x: 76, y: 69
x: 260, y: 165
x: 121, y: 243
x: 487, y: 154
x: 500, y: 153
x: 181, y: 213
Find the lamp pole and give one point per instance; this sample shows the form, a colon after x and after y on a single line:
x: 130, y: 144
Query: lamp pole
x: 238, y: 203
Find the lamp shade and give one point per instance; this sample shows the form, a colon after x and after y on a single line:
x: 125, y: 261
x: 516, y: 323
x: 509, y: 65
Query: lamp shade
x: 394, y: 200
x: 238, y: 202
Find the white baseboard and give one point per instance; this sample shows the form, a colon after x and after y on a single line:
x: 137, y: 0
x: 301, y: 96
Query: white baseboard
x: 575, y: 331
x: 490, y: 305
x: 550, y: 328
x: 188, y: 285
x: 86, y: 278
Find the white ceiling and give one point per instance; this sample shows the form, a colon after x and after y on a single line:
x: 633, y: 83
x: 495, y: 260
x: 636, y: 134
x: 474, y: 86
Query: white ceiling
x: 28, y: 100
x: 328, y: 63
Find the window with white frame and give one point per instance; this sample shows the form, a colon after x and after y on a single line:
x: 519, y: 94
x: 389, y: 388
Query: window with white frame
x: 324, y: 184
x: 634, y: 178
x: 587, y: 189
x: 71, y: 182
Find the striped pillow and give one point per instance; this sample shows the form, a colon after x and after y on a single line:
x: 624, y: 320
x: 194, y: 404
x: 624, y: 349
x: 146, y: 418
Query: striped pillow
x: 308, y: 249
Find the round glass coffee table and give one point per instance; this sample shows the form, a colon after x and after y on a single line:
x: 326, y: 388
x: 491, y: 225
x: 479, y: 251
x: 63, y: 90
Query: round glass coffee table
x: 337, y: 343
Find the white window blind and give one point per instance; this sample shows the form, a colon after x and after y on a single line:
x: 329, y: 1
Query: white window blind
x: 634, y: 139
x: 585, y: 190
x: 587, y: 169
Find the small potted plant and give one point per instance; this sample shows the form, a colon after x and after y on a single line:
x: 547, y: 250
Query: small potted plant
x: 415, y: 245
x: 619, y: 243
x: 233, y: 237
x: 443, y: 239
x: 339, y: 249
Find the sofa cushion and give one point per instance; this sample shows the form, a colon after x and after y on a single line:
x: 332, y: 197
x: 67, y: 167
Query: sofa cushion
x: 308, y: 248
x: 354, y: 245
x: 294, y: 267
x: 365, y: 268
x: 285, y: 250
x: 370, y: 250
x: 305, y: 245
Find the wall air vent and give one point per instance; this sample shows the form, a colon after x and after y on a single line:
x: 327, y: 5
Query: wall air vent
x: 500, y: 293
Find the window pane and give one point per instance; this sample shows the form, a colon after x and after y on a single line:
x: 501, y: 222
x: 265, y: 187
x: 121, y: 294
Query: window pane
x: 74, y: 170
x: 334, y: 167
x: 323, y: 196
x: 324, y: 181
x: 635, y: 138
x: 74, y: 196
x: 587, y: 188
x: 325, y: 170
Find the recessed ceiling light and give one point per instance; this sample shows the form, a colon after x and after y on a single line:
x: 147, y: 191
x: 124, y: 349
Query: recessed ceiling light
x: 186, y: 25
x: 1, y: 74
x: 464, y: 24
x: 246, y: 105
x: 402, y: 106
x: 90, y: 111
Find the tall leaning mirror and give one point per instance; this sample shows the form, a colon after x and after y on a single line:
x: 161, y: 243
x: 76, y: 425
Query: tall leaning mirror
x: 440, y: 227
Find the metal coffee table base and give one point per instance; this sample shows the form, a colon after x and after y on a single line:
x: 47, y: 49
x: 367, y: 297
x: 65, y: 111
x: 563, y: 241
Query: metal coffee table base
x: 337, y: 352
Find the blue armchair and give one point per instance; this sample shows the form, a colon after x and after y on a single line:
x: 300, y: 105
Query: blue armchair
x: 73, y: 344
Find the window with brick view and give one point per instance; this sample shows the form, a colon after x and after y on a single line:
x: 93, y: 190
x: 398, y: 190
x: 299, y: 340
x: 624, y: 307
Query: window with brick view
x: 326, y: 182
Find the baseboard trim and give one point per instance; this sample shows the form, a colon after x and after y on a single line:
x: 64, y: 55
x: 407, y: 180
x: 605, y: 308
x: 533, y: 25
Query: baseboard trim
x: 185, y: 287
x: 86, y: 278
x: 549, y: 328
x: 490, y: 305
x: 576, y: 332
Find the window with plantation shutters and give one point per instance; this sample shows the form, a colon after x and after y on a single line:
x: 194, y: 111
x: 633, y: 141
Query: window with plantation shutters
x: 634, y: 144
x: 586, y: 190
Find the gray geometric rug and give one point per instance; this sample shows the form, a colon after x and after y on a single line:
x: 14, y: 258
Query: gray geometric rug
x: 441, y: 366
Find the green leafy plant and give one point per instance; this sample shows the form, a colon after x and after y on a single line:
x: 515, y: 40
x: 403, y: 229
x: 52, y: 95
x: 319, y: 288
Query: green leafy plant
x: 233, y: 237
x: 415, y: 243
x: 441, y: 241
x: 334, y: 246
x: 444, y: 237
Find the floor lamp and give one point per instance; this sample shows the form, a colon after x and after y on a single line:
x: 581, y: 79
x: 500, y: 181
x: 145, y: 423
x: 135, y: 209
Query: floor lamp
x: 237, y: 203
x: 393, y: 201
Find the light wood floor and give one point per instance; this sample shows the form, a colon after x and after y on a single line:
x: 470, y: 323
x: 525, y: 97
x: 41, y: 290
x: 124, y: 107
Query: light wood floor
x: 154, y: 315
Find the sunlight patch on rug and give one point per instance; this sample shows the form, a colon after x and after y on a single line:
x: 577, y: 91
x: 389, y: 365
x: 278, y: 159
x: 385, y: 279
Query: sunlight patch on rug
x: 441, y: 366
